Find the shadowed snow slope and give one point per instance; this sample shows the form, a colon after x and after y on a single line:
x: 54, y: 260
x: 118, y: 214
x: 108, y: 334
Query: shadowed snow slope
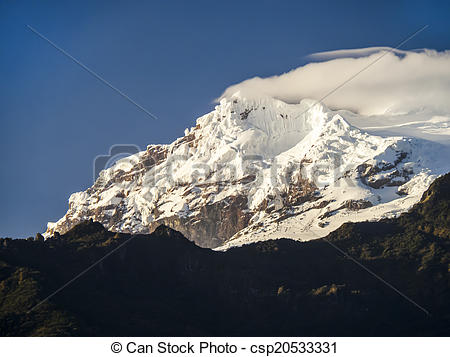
x: 255, y: 169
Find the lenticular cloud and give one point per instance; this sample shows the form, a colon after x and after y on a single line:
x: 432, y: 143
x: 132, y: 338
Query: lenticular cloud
x: 399, y: 82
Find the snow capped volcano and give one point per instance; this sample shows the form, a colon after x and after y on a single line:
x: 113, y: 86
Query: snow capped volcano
x: 256, y: 169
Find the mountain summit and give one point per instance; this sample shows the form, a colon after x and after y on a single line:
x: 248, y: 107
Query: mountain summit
x: 258, y: 169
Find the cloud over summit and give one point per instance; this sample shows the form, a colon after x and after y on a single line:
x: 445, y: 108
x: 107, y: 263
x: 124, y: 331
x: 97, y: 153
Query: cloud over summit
x: 399, y: 82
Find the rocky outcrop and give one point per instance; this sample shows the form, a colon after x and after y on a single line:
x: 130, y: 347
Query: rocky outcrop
x: 385, y: 173
x: 213, y: 224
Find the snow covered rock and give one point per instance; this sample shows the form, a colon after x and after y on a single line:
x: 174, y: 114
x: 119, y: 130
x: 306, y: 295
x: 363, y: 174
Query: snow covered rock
x: 260, y: 169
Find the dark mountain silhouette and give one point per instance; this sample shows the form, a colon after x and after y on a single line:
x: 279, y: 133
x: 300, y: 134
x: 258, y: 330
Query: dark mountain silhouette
x: 164, y: 285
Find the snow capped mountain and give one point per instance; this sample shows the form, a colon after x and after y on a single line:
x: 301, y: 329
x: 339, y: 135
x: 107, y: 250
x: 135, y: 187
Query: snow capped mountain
x: 256, y: 169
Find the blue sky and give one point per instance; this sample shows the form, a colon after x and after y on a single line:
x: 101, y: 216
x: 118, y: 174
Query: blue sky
x: 172, y: 57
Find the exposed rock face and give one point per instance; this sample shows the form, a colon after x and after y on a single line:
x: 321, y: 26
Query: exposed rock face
x: 357, y: 204
x: 254, y: 170
x: 214, y: 223
x: 385, y: 173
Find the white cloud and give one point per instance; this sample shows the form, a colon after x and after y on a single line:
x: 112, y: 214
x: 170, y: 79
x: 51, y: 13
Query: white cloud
x: 400, y: 82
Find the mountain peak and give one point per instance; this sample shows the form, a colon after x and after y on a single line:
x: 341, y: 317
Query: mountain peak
x: 259, y: 168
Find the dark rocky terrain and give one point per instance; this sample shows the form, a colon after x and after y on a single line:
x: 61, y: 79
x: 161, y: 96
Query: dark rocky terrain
x: 163, y: 285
